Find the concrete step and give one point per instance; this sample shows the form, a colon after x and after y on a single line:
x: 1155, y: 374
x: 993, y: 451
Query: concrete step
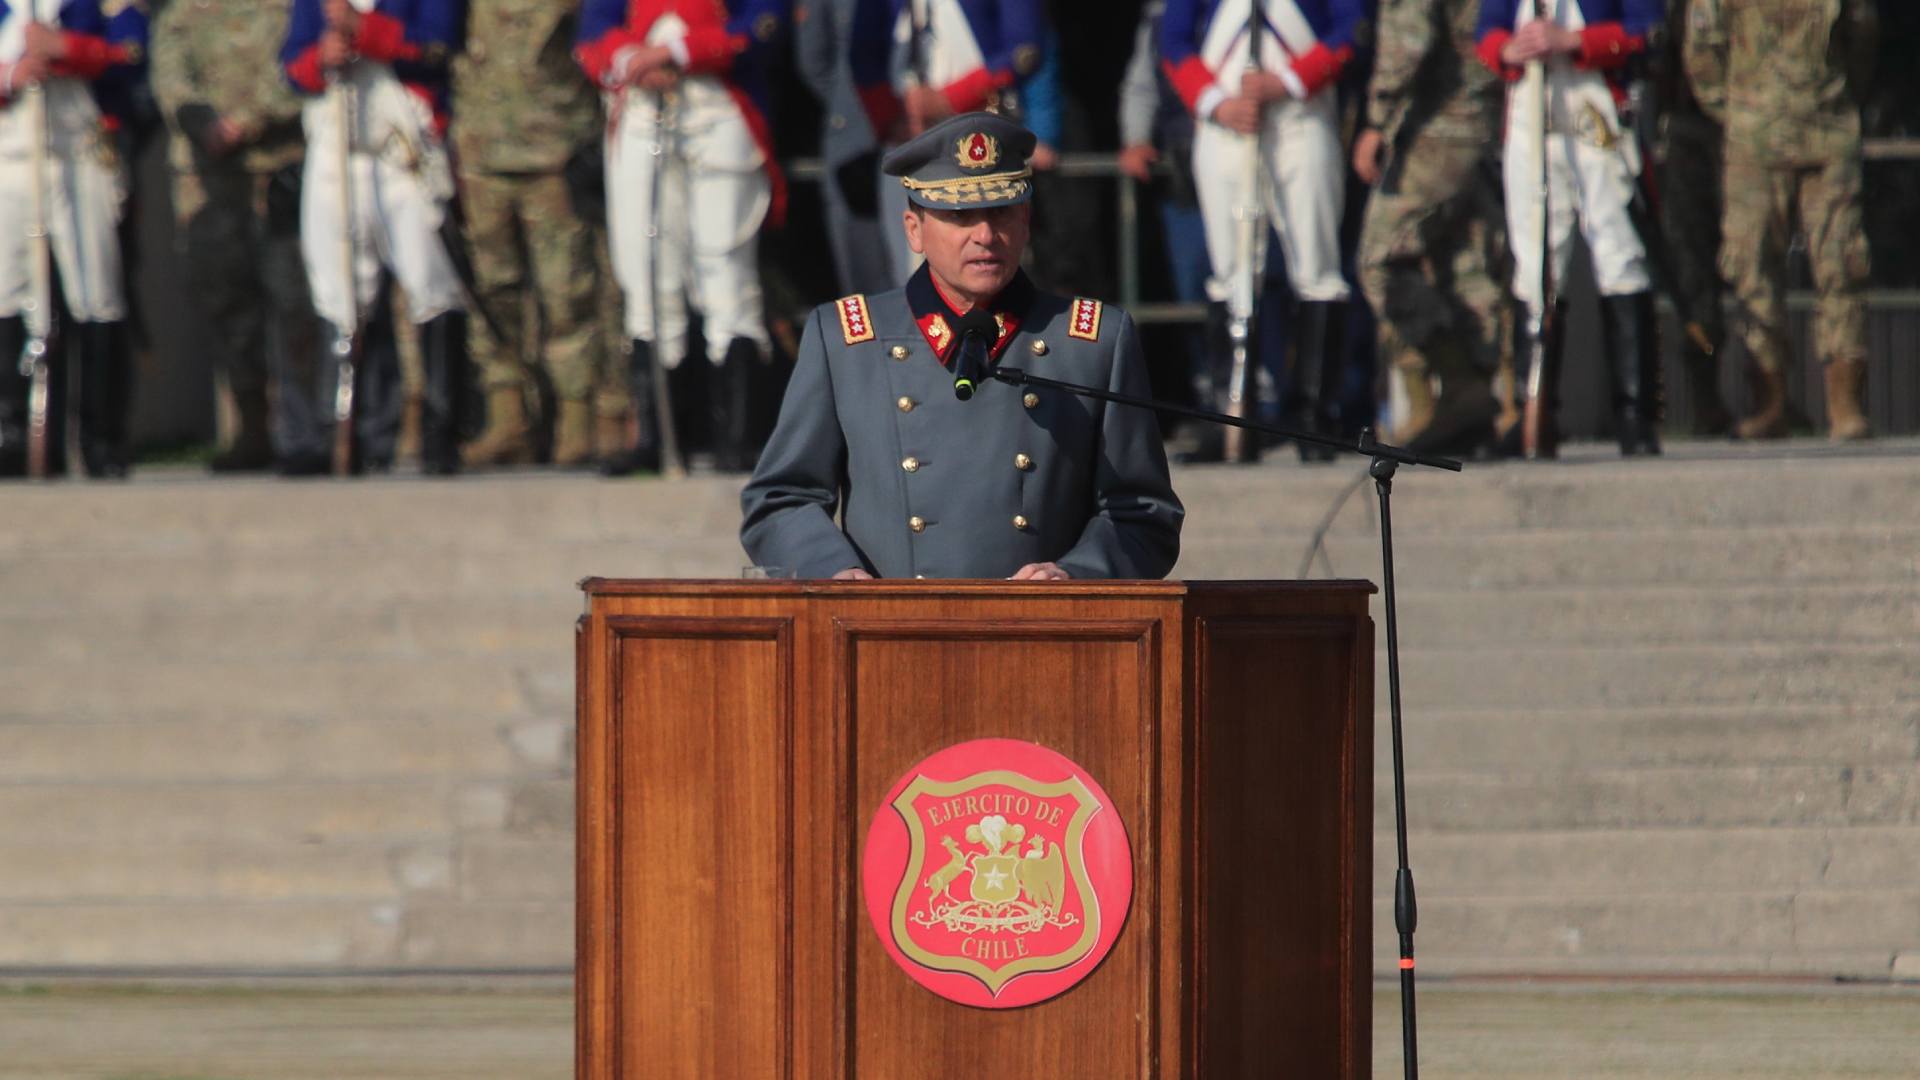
x: 1794, y: 796
x: 1815, y: 614
x: 1620, y: 676
x: 108, y: 816
x: 171, y: 513
x: 1505, y: 741
x: 1582, y: 863
x: 541, y: 624
x: 345, y: 579
x: 1765, y: 930
x: 221, y: 869
x: 1877, y: 491
x: 1570, y: 558
x: 316, y: 689
x: 380, y: 746
x: 175, y: 512
x: 474, y: 623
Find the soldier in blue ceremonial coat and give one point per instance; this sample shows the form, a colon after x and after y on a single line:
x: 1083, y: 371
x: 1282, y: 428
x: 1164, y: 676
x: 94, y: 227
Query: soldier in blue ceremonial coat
x: 87, y: 57
x: 876, y: 468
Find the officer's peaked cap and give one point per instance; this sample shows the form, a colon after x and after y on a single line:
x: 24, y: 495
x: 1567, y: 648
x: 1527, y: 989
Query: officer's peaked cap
x: 973, y: 161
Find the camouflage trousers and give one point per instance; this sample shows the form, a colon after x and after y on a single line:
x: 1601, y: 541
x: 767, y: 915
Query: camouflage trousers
x: 1764, y: 202
x: 1432, y: 255
x: 525, y: 238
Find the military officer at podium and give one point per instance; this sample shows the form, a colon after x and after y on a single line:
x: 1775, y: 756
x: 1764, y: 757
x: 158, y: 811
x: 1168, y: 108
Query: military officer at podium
x: 1020, y: 482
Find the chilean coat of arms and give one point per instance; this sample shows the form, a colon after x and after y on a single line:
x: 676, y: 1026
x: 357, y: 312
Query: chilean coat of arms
x: 995, y: 885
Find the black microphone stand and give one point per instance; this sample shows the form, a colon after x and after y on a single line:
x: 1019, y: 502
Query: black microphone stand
x: 1385, y: 461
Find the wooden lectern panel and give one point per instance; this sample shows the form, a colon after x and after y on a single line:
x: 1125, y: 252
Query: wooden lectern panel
x: 1087, y: 689
x: 700, y: 874
x: 1285, y: 803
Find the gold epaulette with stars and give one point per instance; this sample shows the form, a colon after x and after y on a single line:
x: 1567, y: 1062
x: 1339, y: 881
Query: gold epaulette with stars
x: 1086, y: 320
x: 855, y: 326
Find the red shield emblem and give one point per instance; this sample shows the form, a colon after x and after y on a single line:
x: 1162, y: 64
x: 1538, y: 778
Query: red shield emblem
x: 997, y: 873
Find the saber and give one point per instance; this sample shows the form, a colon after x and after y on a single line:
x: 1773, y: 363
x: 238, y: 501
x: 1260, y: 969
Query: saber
x: 1250, y: 215
x: 1533, y: 417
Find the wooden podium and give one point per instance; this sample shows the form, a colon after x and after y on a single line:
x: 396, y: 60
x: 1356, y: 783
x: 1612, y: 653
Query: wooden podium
x: 737, y: 738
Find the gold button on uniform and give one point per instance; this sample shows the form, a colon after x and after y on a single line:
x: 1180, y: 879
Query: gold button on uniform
x: 899, y: 352
x: 912, y: 464
x: 917, y: 524
x: 1019, y: 521
x: 1022, y: 462
x: 1031, y: 401
x: 905, y: 404
x: 1039, y: 347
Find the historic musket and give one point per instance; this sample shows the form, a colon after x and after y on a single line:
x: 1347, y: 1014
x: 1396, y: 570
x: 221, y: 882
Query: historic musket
x: 346, y: 339
x: 665, y: 125
x: 1533, y: 415
x: 37, y: 354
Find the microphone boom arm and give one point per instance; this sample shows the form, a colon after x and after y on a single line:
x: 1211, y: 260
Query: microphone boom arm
x: 1365, y: 446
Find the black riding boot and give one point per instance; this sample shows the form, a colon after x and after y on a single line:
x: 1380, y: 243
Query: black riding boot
x: 443, y: 353
x: 13, y: 398
x: 727, y: 404
x: 644, y: 454
x: 106, y: 375
x: 1316, y: 373
x: 1633, y: 355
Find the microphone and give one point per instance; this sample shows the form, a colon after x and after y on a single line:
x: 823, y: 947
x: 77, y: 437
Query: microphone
x: 977, y: 331
x: 969, y: 367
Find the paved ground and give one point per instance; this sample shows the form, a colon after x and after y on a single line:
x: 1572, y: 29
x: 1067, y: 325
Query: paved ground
x: 1773, y: 1031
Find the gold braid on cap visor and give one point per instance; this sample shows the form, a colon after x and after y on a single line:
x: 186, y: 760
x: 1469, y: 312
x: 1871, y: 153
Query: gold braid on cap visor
x: 971, y: 189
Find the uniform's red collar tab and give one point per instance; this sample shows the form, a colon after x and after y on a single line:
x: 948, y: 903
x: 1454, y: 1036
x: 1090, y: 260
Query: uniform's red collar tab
x: 935, y: 316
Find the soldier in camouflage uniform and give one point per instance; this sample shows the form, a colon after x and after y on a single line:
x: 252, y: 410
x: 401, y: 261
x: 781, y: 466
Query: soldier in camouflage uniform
x: 236, y: 153
x: 523, y: 112
x: 1431, y: 249
x: 1785, y: 78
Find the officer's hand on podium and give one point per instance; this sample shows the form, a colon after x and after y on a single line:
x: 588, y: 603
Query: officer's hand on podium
x: 853, y: 573
x: 1241, y: 114
x: 1137, y: 161
x: 1040, y: 571
x: 1366, y: 155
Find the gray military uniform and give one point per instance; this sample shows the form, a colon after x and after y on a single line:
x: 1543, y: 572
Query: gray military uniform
x: 928, y: 486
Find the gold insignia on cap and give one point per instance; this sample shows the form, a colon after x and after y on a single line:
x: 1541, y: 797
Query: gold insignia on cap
x: 766, y: 26
x: 977, y: 151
